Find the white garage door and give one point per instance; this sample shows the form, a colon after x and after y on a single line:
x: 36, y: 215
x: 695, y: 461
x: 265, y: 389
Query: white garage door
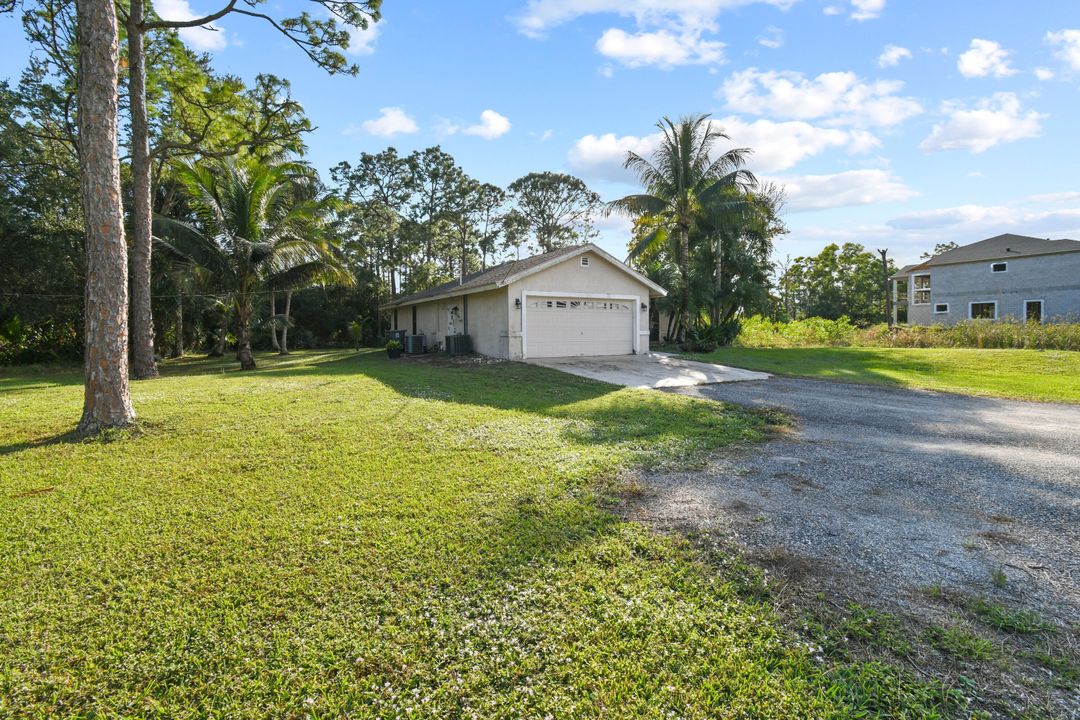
x: 569, y: 326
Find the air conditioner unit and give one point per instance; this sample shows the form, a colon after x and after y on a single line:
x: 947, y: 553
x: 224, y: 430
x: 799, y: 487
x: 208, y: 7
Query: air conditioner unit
x: 458, y: 345
x: 414, y: 344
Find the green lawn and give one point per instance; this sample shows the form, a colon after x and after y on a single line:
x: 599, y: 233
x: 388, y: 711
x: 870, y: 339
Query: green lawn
x: 342, y: 535
x: 1044, y: 375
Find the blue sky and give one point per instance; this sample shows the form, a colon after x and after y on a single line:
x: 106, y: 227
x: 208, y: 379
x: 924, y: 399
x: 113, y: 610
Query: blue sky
x: 892, y: 123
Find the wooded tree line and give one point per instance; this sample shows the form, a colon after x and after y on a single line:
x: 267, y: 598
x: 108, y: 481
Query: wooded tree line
x: 839, y: 281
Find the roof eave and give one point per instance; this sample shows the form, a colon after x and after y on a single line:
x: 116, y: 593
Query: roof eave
x: 589, y: 247
x: 1008, y: 256
x: 454, y: 292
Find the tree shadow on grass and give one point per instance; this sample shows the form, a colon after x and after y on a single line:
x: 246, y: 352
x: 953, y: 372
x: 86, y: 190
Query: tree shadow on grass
x: 593, y: 412
x: 66, y: 438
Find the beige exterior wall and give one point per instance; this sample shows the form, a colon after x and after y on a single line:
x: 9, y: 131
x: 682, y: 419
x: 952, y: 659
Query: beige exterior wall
x: 488, y: 312
x: 571, y: 278
x: 487, y: 321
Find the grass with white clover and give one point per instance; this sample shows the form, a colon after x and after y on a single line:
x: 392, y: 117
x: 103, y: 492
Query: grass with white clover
x: 337, y: 534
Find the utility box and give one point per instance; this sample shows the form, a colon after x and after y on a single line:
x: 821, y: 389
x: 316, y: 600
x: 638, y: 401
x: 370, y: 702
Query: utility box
x: 414, y: 344
x: 398, y: 335
x: 458, y: 345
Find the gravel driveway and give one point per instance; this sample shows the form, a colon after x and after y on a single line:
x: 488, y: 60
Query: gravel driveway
x: 899, y: 490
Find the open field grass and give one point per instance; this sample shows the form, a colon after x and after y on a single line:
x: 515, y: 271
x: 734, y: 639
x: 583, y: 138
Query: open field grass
x: 339, y: 535
x: 1042, y: 375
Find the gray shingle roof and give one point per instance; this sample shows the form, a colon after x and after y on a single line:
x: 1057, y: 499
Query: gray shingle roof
x: 494, y: 277
x: 1003, y: 247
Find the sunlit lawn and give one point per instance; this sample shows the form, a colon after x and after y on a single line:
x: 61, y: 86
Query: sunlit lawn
x: 342, y: 535
x: 1044, y: 375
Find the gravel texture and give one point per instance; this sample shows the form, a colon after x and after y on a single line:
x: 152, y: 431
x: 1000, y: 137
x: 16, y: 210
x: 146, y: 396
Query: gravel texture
x: 897, y: 490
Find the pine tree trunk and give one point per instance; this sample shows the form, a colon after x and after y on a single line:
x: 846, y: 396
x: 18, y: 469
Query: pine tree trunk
x: 107, y: 400
x: 285, y: 325
x: 273, y: 323
x: 142, y: 323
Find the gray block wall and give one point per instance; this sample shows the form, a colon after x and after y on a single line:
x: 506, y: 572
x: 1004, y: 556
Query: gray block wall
x: 1054, y: 279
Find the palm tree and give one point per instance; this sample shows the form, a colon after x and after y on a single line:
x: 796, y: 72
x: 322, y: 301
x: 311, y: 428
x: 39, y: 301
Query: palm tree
x: 255, y: 227
x: 683, y: 183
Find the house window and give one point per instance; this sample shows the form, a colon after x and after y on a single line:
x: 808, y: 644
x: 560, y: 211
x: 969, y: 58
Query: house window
x: 1033, y: 311
x: 999, y: 267
x: 584, y: 262
x: 983, y: 310
x: 941, y: 308
x: 922, y: 289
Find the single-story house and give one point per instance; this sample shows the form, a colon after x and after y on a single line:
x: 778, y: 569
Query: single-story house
x: 1005, y: 277
x: 573, y: 301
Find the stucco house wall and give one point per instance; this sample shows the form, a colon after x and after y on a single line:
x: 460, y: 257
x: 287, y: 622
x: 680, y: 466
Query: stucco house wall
x: 1054, y: 279
x: 487, y: 319
x: 570, y: 277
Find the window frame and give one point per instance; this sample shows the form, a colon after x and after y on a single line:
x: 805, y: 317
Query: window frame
x: 941, y: 312
x: 1042, y: 309
x: 999, y: 262
x: 971, y: 306
x: 914, y: 289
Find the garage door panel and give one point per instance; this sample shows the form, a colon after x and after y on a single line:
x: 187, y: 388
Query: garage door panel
x: 570, y: 326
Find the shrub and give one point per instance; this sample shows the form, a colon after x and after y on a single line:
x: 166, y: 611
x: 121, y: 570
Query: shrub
x: 758, y: 331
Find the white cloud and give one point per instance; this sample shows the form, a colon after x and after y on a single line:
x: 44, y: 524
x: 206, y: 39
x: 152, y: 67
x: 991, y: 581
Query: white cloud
x: 1068, y: 196
x: 866, y: 9
x: 985, y: 57
x: 772, y: 37
x: 391, y: 121
x: 542, y: 15
x: 891, y: 55
x: 362, y: 42
x: 662, y: 48
x: 607, y: 70
x: 947, y: 217
x: 492, y: 125
x: 839, y: 98
x: 993, y: 120
x: 602, y: 156
x: 1044, y: 73
x: 777, y: 146
x: 668, y: 33
x: 205, y: 38
x: 844, y: 189
x: 913, y: 233
x: 1067, y: 46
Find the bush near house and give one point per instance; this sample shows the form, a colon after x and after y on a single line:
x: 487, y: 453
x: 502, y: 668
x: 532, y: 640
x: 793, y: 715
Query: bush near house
x: 760, y: 332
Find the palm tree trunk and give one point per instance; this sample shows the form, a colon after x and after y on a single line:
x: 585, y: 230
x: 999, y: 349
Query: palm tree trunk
x: 107, y: 399
x: 143, y: 366
x: 178, y: 349
x: 219, y: 342
x: 243, y: 321
x: 273, y: 323
x: 684, y: 273
x: 285, y: 326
